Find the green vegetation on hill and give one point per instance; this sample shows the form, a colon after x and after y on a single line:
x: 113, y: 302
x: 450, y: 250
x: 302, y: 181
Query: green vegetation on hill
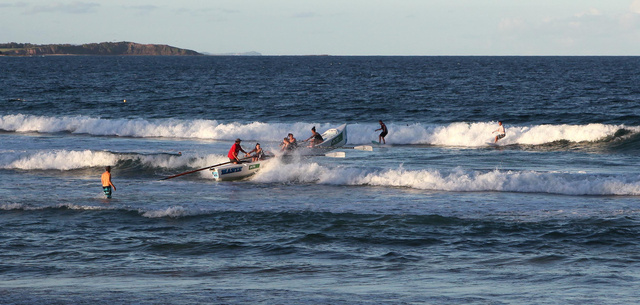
x: 104, y: 48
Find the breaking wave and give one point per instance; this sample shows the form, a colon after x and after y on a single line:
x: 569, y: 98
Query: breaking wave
x: 276, y: 171
x: 67, y: 160
x: 456, y: 180
x: 455, y: 134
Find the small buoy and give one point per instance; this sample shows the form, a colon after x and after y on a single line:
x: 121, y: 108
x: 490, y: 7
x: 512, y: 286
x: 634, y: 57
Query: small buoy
x: 124, y: 101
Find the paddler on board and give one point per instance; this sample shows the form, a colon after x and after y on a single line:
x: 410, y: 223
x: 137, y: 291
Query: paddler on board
x: 383, y: 134
x: 501, y: 132
x: 107, y: 185
x: 233, y: 152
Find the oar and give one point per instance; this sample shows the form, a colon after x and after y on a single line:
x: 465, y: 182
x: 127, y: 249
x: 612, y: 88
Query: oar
x: 337, y: 154
x: 200, y: 169
x: 361, y: 147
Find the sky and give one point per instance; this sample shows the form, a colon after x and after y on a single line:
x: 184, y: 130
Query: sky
x: 336, y: 27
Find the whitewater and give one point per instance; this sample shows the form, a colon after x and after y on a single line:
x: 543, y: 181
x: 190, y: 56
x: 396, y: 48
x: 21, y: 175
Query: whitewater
x: 458, y: 134
x: 550, y: 214
x: 453, y: 134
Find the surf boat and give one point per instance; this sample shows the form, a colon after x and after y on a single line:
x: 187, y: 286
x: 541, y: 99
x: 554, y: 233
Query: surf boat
x: 238, y: 171
x: 333, y: 138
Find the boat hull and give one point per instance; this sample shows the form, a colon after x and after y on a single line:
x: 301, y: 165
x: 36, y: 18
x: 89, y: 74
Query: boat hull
x: 236, y: 171
x: 334, y: 139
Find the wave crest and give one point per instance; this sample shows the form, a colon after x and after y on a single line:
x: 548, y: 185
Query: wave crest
x: 66, y: 160
x: 457, y: 180
x: 455, y: 134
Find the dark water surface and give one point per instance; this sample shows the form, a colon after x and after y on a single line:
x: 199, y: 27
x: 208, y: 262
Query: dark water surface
x: 436, y: 216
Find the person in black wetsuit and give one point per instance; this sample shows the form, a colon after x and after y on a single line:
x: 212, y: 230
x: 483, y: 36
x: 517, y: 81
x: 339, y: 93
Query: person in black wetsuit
x: 315, y: 138
x: 383, y: 134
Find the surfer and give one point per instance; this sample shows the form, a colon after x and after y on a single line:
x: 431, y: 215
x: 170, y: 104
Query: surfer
x: 259, y: 153
x: 383, y: 134
x: 500, y: 131
x: 106, y: 182
x: 315, y: 138
x: 233, y: 152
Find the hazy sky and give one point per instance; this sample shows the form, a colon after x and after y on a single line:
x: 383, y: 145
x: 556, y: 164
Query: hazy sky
x: 336, y: 27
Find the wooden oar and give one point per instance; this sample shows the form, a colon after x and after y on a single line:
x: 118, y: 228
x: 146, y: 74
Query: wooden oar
x: 200, y: 169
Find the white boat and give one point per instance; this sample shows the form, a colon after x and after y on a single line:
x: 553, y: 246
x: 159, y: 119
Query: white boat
x: 334, y: 138
x: 236, y: 171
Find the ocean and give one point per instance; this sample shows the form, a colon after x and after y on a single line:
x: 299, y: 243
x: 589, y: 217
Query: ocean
x: 437, y: 215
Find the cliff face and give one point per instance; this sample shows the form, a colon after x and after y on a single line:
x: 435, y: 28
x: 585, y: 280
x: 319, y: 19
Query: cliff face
x: 105, y: 48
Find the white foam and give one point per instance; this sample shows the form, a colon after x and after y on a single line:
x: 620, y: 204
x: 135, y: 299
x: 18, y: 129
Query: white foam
x: 478, y: 134
x: 71, y: 206
x: 174, y: 212
x: 62, y: 160
x: 72, y: 159
x: 458, y: 180
x: 454, y: 134
x: 11, y: 206
x: 168, y: 128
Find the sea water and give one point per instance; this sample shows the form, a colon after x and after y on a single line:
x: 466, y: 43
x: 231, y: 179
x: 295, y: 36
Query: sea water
x: 549, y: 215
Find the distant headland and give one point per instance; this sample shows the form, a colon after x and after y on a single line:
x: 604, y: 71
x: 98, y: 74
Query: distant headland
x: 104, y: 48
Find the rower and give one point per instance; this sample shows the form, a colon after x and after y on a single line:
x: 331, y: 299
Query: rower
x: 315, y: 138
x: 233, y: 152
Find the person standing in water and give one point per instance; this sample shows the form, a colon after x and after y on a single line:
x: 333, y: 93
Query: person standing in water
x: 107, y: 185
x: 383, y: 134
x: 501, y: 132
